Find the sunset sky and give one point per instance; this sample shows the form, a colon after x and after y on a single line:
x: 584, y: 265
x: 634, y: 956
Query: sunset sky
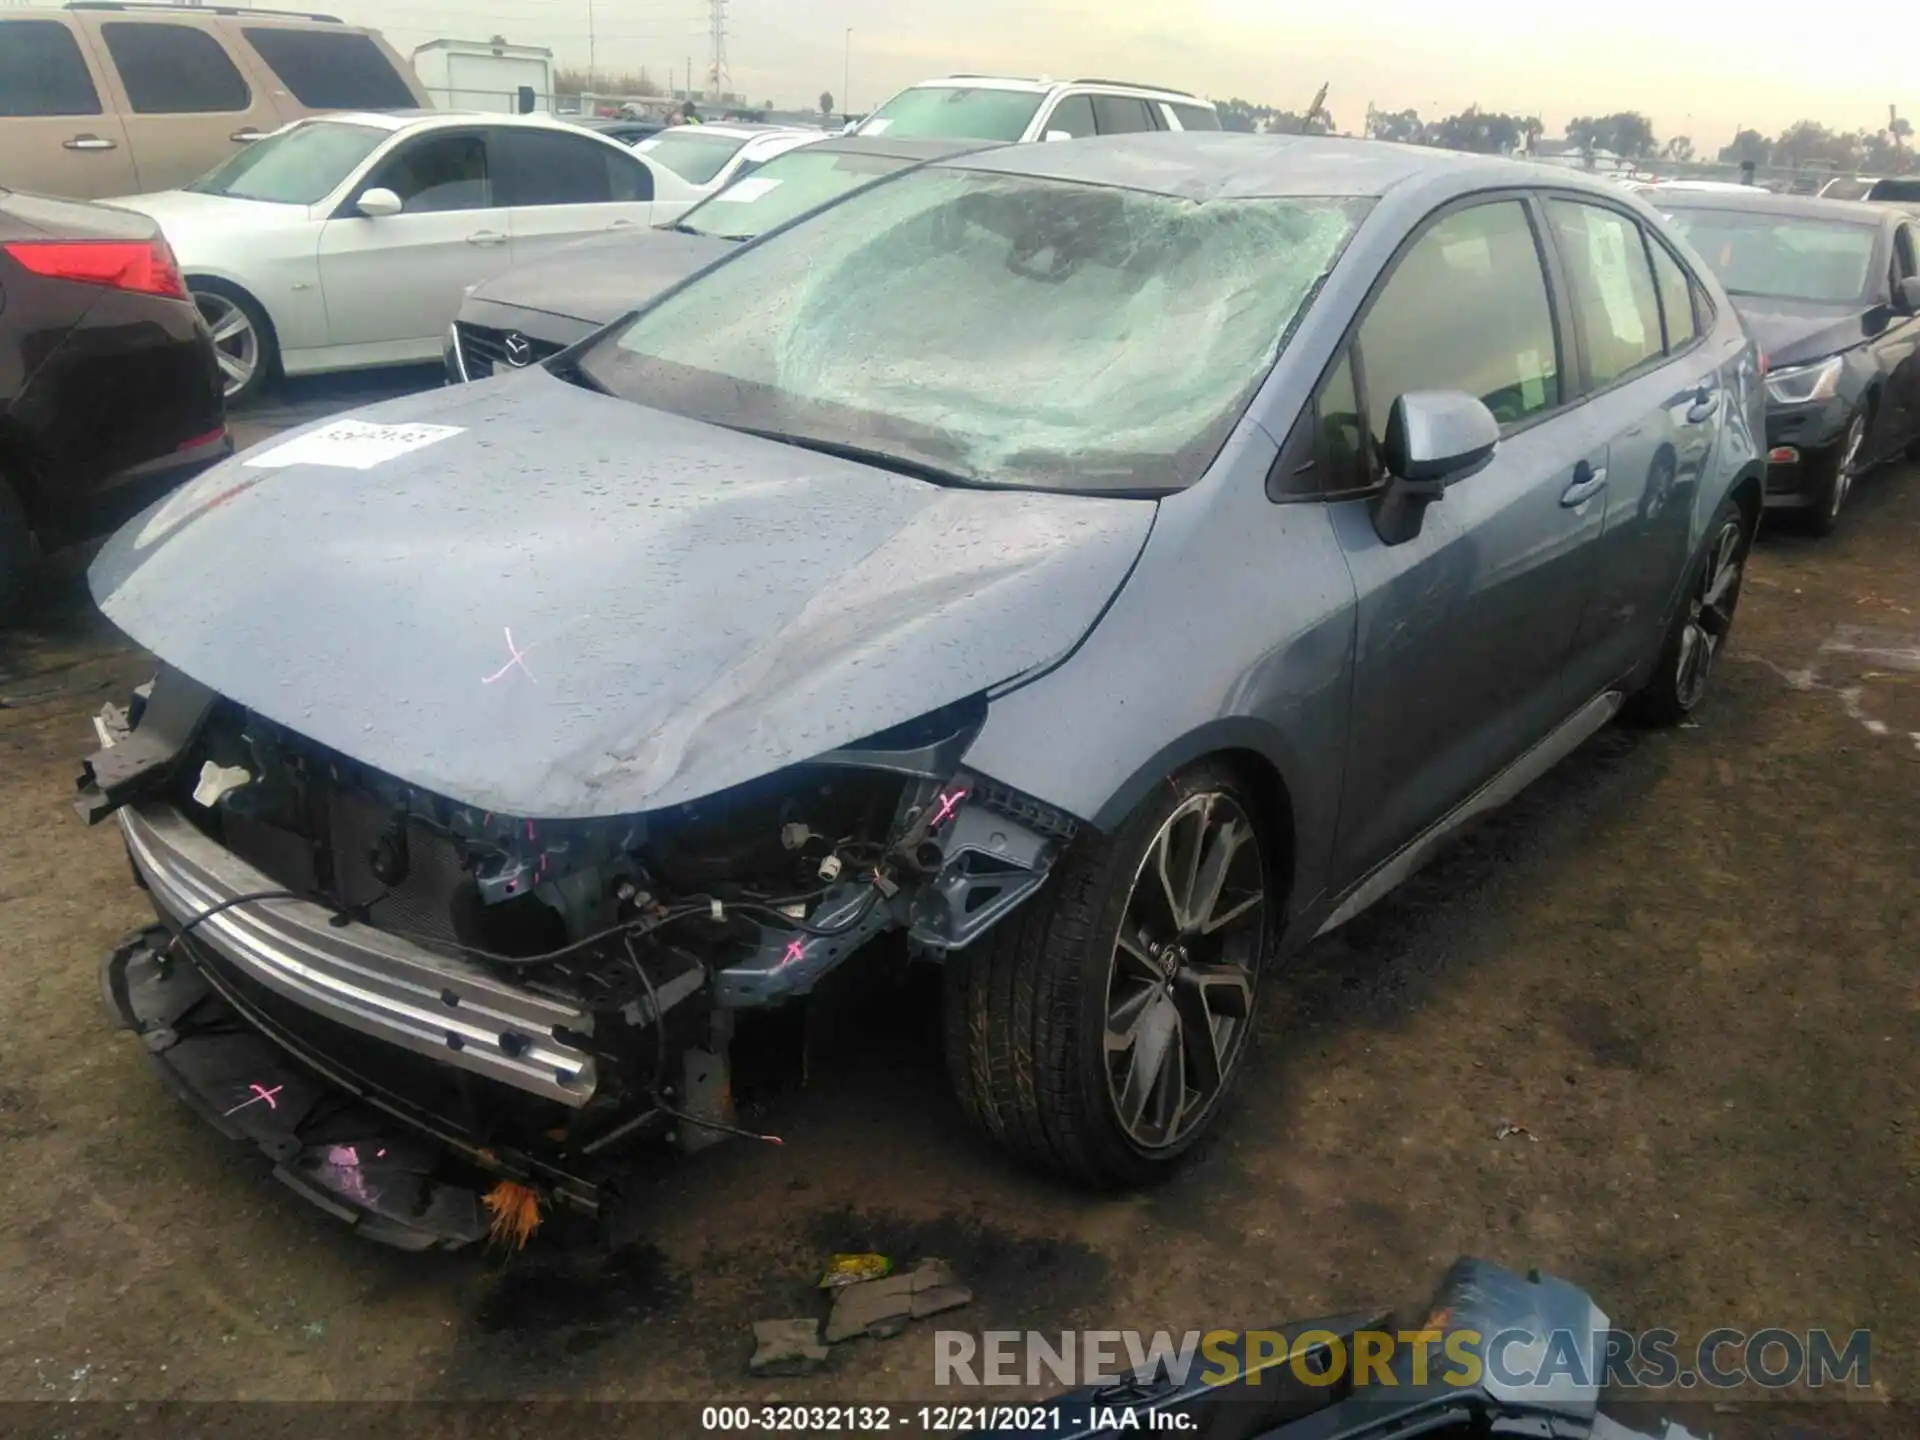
x: 1699, y: 70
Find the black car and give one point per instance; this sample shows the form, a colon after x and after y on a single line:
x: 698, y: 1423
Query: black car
x: 537, y: 310
x: 107, y: 375
x: 1829, y: 288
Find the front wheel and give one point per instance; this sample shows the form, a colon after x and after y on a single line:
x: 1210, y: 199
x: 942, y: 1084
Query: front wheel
x: 243, y: 343
x: 1823, y: 516
x: 1699, y: 632
x: 1096, y: 1031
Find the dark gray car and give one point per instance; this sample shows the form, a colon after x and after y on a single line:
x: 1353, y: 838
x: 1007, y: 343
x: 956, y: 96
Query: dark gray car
x: 534, y: 312
x: 1103, y: 567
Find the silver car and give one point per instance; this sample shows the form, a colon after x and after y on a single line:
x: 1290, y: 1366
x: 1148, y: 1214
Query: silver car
x: 1103, y: 567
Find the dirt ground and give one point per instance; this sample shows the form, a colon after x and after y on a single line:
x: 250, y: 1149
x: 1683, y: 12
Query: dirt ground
x: 1688, y: 964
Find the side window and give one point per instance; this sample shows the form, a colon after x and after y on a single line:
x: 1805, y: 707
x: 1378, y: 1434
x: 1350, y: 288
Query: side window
x: 439, y: 173
x: 42, y: 71
x: 1195, y: 117
x: 1613, y: 301
x: 537, y: 167
x: 1121, y: 115
x: 174, y: 69
x: 1465, y: 309
x: 1074, y: 115
x: 1341, y: 445
x: 1902, y: 256
x: 1676, y: 297
x: 329, y: 71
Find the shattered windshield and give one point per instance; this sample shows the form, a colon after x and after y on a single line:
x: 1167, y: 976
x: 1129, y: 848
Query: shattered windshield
x: 993, y: 329
x: 785, y: 187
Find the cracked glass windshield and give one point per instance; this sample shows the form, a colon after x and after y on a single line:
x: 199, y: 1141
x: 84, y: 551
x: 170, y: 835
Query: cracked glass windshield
x: 993, y: 330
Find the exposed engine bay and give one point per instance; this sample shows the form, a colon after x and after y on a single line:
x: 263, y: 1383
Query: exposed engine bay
x: 552, y: 996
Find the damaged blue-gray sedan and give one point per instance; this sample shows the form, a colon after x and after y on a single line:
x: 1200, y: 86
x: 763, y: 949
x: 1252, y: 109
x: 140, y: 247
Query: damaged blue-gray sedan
x: 1100, y: 567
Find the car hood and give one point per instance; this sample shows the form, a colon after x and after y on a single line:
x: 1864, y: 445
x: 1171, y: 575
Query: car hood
x: 1793, y: 332
x: 183, y: 213
x: 562, y: 605
x: 602, y: 279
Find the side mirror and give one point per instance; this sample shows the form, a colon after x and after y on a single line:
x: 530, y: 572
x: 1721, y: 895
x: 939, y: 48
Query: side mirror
x: 1434, y: 438
x: 1907, y: 297
x: 378, y: 203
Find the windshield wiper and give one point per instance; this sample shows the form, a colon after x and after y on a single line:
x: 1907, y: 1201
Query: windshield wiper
x: 882, y: 459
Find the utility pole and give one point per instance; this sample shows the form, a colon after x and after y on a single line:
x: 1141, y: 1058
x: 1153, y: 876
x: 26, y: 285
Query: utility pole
x: 846, y: 80
x: 592, y: 49
x: 717, y: 43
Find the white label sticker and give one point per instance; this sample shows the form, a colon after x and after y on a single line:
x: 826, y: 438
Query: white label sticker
x: 1607, y: 258
x: 352, y: 445
x: 745, y: 192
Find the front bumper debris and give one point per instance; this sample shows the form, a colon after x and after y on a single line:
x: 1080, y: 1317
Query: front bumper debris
x: 327, y: 1144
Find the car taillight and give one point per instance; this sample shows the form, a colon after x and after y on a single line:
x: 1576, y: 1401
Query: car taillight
x: 146, y: 266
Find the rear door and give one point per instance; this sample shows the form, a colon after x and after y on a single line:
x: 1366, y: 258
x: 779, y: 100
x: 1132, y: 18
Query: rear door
x: 396, y: 280
x: 1463, y: 631
x: 188, y: 105
x: 1654, y: 392
x: 557, y: 187
x: 58, y: 132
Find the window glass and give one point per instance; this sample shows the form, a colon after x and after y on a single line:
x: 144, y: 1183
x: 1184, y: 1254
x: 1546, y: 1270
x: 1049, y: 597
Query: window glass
x: 1195, y: 117
x: 42, y: 71
x: 1074, y: 115
x: 696, y: 156
x: 300, y: 166
x: 1121, y: 115
x: 174, y: 69
x: 439, y: 173
x: 1676, y: 297
x: 955, y: 112
x: 1004, y: 329
x: 1781, y: 257
x: 536, y: 167
x: 1613, y: 301
x: 1342, y: 448
x: 785, y: 187
x: 1466, y: 309
x: 327, y: 70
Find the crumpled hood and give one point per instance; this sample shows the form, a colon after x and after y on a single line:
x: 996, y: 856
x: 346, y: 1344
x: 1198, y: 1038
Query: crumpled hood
x: 571, y: 606
x: 1793, y: 332
x: 602, y: 279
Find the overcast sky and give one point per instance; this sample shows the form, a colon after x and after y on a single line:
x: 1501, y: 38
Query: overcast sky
x: 1698, y: 69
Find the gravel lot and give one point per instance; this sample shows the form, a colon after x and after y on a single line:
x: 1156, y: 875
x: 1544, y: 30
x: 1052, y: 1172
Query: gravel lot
x: 1685, y: 963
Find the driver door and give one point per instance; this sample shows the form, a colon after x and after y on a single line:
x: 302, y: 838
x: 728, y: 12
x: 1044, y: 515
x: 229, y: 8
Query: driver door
x: 393, y: 283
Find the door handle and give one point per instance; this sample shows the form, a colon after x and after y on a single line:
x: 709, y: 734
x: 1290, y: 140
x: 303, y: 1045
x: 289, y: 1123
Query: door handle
x: 1587, y: 483
x: 1705, y: 402
x: 486, y: 237
x: 88, y: 142
x: 247, y: 136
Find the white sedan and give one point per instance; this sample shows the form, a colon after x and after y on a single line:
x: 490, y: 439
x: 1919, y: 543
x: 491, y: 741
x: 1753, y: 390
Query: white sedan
x: 343, y: 242
x: 712, y: 157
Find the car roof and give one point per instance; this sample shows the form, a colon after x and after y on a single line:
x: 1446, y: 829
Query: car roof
x: 1043, y: 85
x: 397, y: 120
x: 1765, y: 202
x: 1228, y: 165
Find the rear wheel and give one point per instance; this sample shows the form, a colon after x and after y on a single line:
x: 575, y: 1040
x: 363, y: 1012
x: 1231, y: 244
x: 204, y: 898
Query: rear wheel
x: 1096, y: 1031
x: 243, y: 342
x: 1823, y: 516
x: 1700, y: 630
x: 19, y: 554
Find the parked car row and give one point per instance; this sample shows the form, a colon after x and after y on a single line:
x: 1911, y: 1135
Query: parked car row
x: 1101, y: 567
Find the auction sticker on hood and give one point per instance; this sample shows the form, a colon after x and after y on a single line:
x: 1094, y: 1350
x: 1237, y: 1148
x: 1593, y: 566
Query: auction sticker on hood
x: 352, y: 445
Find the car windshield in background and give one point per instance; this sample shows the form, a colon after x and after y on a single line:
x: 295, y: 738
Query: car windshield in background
x: 951, y: 112
x: 300, y: 166
x: 782, y: 189
x: 992, y: 330
x: 1781, y: 257
x: 695, y: 155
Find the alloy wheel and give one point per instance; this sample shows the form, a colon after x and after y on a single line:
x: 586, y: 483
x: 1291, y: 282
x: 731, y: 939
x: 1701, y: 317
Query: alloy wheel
x: 236, y: 343
x: 1710, y: 613
x: 1185, y: 965
x: 1849, y: 465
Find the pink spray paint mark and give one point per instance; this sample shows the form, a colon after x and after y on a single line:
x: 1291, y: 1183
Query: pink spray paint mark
x: 795, y: 951
x: 948, y: 804
x: 516, y: 656
x: 259, y: 1093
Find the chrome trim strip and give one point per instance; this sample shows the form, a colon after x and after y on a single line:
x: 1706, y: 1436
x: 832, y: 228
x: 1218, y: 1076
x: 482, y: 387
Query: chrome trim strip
x: 1569, y: 736
x: 361, y: 977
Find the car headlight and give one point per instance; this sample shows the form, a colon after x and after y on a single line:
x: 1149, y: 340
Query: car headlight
x: 1803, y: 384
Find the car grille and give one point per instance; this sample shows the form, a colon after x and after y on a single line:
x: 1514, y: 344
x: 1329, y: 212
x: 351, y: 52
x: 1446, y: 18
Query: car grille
x: 484, y: 349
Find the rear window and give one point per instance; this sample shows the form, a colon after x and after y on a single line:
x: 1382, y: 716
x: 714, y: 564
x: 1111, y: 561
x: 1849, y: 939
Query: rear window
x: 695, y: 155
x: 174, y: 69
x: 332, y: 70
x: 42, y: 71
x: 1903, y: 191
x: 1195, y: 117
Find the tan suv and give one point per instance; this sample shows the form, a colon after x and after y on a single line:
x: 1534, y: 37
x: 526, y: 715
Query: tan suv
x: 111, y: 97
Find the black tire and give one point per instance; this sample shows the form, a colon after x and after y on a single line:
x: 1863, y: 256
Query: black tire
x: 19, y: 555
x: 217, y: 299
x: 1823, y: 516
x: 1028, y: 1008
x: 1677, y: 688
